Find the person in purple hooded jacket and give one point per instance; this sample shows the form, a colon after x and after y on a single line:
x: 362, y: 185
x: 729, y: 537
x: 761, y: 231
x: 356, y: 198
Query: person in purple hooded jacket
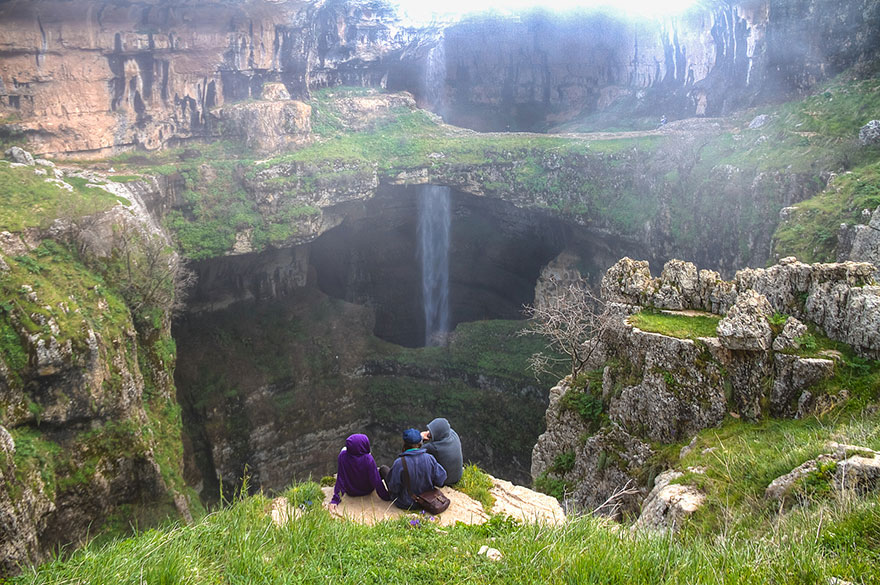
x: 356, y: 473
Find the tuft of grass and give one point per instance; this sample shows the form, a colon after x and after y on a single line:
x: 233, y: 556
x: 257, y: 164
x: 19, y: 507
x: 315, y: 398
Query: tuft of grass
x: 28, y: 200
x: 477, y: 484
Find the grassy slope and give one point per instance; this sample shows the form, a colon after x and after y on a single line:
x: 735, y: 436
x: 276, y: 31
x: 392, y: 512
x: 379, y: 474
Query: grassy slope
x: 238, y: 544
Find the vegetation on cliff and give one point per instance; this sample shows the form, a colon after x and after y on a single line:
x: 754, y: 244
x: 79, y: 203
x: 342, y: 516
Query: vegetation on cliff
x: 85, y: 367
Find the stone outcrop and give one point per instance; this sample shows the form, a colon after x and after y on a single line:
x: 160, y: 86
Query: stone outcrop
x: 513, y: 501
x: 663, y: 389
x: 861, y: 242
x: 669, y: 505
x: 843, y: 467
x: 869, y: 134
x: 745, y: 327
x: 840, y: 298
x: 606, y: 467
x: 266, y: 125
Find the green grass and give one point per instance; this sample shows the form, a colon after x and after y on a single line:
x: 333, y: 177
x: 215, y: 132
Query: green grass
x: 27, y: 200
x: 475, y: 483
x: 811, y: 233
x: 239, y: 545
x: 741, y: 459
x: 673, y: 325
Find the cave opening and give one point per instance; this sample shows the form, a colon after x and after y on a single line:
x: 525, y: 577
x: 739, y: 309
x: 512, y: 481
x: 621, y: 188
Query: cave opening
x: 496, y: 253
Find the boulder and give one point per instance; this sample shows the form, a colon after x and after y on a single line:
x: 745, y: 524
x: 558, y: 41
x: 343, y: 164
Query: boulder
x: 679, y: 286
x: 668, y: 505
x: 794, y: 375
x: 869, y: 134
x: 791, y: 332
x: 629, y: 281
x: 859, y: 472
x: 745, y: 326
x: 20, y: 156
x: 758, y: 121
x: 267, y: 126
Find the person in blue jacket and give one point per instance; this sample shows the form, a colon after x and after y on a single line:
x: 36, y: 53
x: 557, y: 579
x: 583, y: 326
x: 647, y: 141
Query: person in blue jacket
x: 424, y: 471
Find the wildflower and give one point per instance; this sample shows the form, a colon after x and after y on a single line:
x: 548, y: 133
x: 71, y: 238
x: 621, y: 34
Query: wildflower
x: 415, y: 523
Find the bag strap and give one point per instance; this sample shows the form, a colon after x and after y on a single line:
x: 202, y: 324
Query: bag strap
x: 406, y: 478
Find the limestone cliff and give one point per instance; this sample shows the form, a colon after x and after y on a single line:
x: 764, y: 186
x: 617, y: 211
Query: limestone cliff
x: 661, y: 387
x: 93, y: 76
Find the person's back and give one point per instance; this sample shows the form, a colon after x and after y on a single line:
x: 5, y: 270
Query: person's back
x: 356, y: 473
x: 423, y: 469
x: 445, y: 446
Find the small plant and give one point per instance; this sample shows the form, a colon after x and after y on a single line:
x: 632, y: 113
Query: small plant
x: 563, y: 463
x: 477, y: 484
x: 777, y: 322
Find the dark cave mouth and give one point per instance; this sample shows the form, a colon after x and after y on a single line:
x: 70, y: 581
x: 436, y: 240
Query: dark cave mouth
x: 496, y: 254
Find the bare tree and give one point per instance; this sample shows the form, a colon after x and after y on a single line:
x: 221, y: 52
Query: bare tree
x: 571, y: 320
x: 148, y: 272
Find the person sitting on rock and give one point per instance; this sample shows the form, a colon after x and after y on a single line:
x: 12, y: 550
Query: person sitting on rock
x: 443, y: 443
x: 356, y: 472
x: 423, y: 470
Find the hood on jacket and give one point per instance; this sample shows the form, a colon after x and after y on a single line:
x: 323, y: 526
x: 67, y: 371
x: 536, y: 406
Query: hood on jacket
x: 439, y: 428
x: 357, y: 445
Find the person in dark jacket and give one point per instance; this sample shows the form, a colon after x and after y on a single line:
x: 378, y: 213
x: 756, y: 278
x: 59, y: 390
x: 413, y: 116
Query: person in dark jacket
x: 424, y: 471
x: 443, y: 443
x: 356, y: 473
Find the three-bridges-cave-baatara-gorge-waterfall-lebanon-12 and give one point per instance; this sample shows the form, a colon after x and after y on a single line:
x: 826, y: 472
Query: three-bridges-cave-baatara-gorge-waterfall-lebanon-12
x: 630, y: 252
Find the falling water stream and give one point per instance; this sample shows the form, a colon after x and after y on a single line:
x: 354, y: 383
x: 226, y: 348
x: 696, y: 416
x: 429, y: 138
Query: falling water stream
x: 433, y: 232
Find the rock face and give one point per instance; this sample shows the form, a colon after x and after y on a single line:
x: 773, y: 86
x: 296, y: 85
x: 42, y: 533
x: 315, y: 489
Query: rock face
x: 87, y: 403
x: 93, y: 76
x: 841, y: 298
x: 861, y: 243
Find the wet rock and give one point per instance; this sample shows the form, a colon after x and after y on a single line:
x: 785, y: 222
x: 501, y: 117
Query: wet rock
x: 20, y: 156
x: 668, y: 505
x: 745, y: 326
x: 869, y: 134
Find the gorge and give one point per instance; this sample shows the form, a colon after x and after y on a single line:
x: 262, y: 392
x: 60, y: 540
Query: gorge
x: 365, y: 205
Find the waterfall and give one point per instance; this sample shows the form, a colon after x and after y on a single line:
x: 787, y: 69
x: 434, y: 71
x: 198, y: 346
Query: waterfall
x: 433, y: 233
x: 435, y: 77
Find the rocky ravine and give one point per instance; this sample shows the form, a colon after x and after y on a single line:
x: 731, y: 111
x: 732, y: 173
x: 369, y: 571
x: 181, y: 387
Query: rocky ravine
x: 658, y: 388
